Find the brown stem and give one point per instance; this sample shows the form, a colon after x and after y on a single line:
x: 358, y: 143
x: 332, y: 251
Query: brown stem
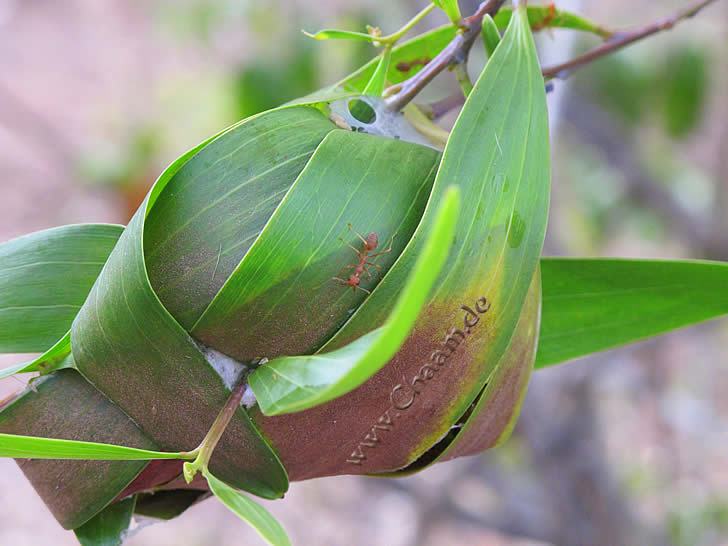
x: 208, y: 445
x: 616, y: 41
x: 622, y: 39
x: 458, y: 49
x: 455, y: 52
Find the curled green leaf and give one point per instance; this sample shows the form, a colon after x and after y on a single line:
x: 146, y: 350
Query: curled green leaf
x: 289, y: 384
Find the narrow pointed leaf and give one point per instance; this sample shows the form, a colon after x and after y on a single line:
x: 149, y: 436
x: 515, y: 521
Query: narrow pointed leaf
x: 541, y: 17
x: 292, y: 384
x: 336, y: 34
x: 249, y: 511
x: 451, y: 9
x: 108, y: 527
x: 45, y: 278
x: 590, y: 305
x: 379, y: 79
x: 29, y: 447
x: 491, y: 36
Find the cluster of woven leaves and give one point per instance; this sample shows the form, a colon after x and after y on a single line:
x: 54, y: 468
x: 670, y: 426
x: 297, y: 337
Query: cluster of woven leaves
x: 228, y: 270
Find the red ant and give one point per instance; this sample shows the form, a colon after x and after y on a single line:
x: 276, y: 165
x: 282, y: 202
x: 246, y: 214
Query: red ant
x: 364, y: 255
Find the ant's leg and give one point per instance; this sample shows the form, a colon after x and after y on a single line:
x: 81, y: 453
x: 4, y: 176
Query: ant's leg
x: 362, y: 239
x: 379, y: 267
x: 385, y: 251
x: 362, y: 289
x: 340, y: 281
x: 356, y: 250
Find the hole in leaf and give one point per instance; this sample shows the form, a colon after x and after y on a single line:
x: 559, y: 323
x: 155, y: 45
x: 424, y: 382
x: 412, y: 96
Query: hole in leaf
x: 362, y: 111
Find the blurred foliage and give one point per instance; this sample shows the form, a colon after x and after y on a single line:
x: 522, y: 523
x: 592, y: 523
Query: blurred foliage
x: 699, y: 523
x: 123, y: 165
x: 264, y: 84
x: 280, y: 65
x: 621, y: 85
x: 684, y: 83
x: 673, y: 90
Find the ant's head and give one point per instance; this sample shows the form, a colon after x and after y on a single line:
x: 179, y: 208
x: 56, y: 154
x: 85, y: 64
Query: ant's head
x: 353, y: 280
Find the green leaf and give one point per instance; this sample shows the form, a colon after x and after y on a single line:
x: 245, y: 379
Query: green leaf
x: 30, y: 447
x: 45, y: 278
x: 57, y: 357
x: 540, y: 17
x: 335, y: 34
x: 451, y: 9
x: 108, y: 527
x: 212, y: 210
x: 590, y: 305
x: 249, y: 511
x: 378, y: 82
x: 289, y: 384
x: 684, y: 82
x: 491, y: 35
x: 370, y: 183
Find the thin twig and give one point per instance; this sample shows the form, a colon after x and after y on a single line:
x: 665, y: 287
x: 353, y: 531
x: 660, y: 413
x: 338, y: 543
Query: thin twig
x: 455, y: 52
x: 622, y: 39
x: 617, y: 40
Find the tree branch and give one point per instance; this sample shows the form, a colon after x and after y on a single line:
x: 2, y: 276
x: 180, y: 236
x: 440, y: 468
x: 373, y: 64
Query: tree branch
x: 622, y: 39
x: 455, y: 52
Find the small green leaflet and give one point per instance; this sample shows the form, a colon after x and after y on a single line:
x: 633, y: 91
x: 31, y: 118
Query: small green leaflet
x: 249, y: 511
x: 290, y: 384
x: 451, y: 9
x: 491, y: 36
x: 378, y: 81
x: 29, y: 447
x: 334, y: 34
x: 590, y: 305
x: 56, y: 358
x: 108, y: 527
x: 540, y: 17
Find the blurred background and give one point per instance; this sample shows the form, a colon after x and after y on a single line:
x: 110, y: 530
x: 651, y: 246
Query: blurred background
x: 623, y: 448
